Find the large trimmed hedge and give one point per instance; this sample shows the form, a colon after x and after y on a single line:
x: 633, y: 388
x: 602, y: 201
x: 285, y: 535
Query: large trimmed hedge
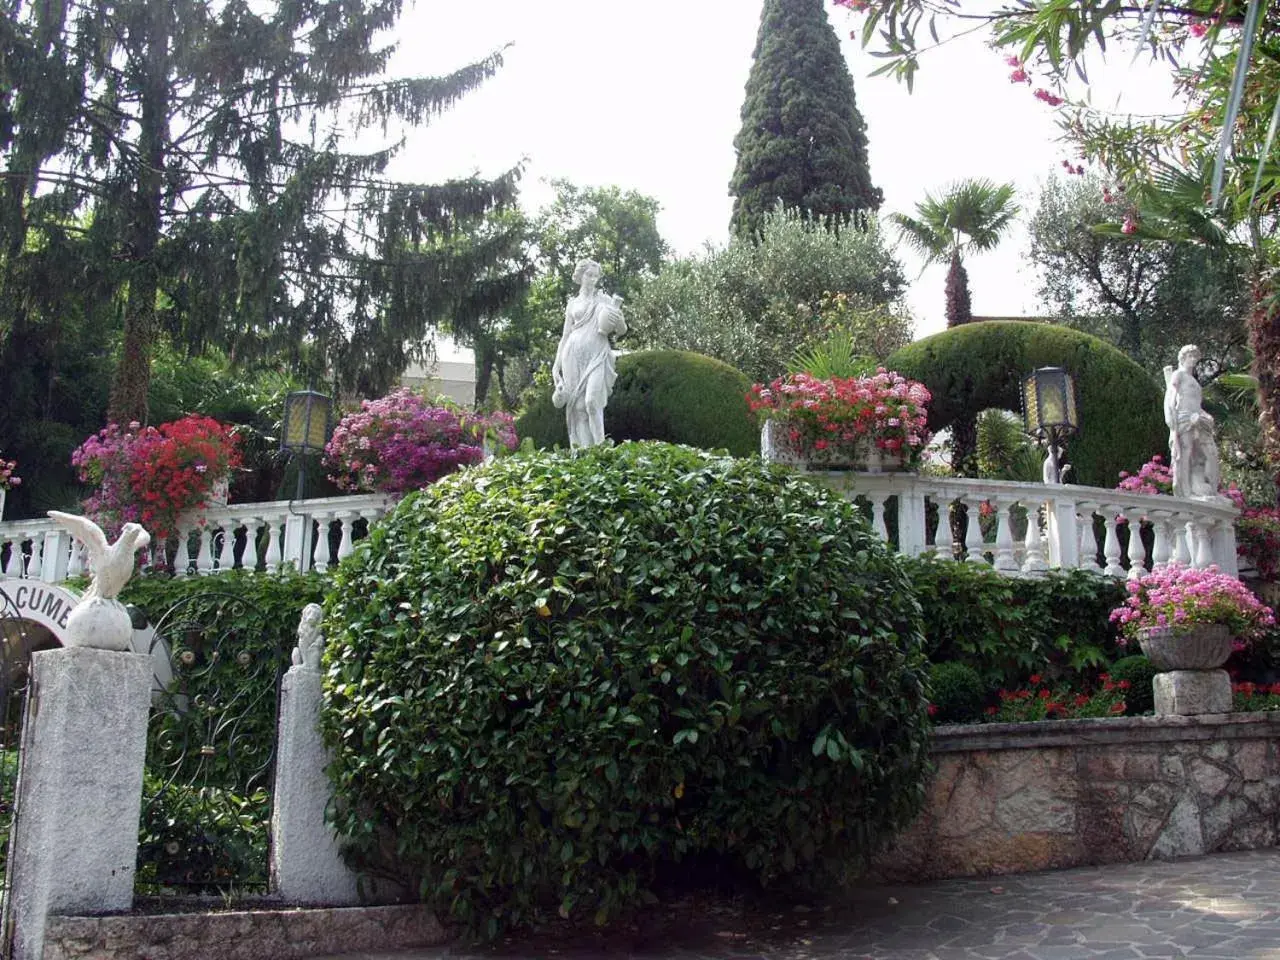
x: 670, y: 395
x: 552, y: 678
x: 980, y: 365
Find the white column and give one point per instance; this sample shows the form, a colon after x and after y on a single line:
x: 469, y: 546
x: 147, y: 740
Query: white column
x: 944, y: 544
x: 204, y: 553
x: 973, y: 542
x: 1181, y: 548
x: 1034, y: 564
x: 227, y: 551
x: 345, y: 546
x: 1088, y: 548
x: 84, y: 746
x: 877, y: 515
x: 1160, y: 549
x: 1137, y: 550
x: 1003, y: 555
x: 249, y: 559
x: 305, y: 865
x: 1111, y: 544
x: 275, y: 556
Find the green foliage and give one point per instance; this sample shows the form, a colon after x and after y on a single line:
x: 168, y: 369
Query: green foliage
x: 1139, y: 698
x: 854, y: 337
x: 803, y: 142
x: 981, y: 365
x: 1008, y: 628
x: 1004, y: 451
x: 751, y: 303
x: 667, y: 395
x: 957, y: 691
x: 552, y: 677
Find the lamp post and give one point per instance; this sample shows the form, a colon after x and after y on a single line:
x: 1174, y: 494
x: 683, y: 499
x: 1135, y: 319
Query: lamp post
x: 1049, y: 414
x: 306, y: 427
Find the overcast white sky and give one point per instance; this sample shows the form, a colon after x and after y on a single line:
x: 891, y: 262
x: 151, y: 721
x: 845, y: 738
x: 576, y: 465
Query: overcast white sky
x: 647, y: 96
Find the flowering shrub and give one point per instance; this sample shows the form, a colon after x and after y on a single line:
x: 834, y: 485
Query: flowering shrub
x: 1176, y: 595
x: 9, y: 479
x: 150, y: 475
x: 1258, y: 539
x: 403, y: 442
x: 1153, y: 477
x: 840, y: 416
x: 1039, y: 701
x: 1249, y: 697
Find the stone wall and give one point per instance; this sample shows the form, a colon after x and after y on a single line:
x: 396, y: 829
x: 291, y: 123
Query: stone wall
x: 242, y: 935
x: 1009, y: 798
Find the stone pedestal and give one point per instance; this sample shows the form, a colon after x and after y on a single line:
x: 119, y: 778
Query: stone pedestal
x: 305, y: 865
x: 1185, y: 693
x: 84, y: 747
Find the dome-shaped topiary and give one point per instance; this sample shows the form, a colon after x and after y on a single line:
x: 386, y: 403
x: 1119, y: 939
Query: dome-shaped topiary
x: 981, y: 365
x: 551, y: 677
x: 670, y: 395
x: 957, y: 691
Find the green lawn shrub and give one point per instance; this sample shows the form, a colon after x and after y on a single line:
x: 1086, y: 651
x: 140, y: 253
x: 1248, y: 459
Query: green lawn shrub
x: 1009, y: 628
x: 1138, y: 670
x: 957, y: 692
x: 552, y: 679
x: 670, y: 395
x: 978, y: 366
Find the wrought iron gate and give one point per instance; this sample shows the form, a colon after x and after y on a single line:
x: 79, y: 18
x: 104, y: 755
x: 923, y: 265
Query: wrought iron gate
x: 211, y: 746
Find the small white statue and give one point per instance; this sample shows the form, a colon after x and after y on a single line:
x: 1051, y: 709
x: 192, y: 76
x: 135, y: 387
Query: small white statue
x: 1193, y: 452
x: 584, y: 370
x: 99, y: 619
x: 310, y: 640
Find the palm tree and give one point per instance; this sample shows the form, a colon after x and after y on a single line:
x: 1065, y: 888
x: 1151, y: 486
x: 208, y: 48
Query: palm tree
x: 971, y: 216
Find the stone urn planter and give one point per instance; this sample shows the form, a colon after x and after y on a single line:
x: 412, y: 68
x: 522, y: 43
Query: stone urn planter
x: 1198, y: 646
x: 1189, y: 657
x: 867, y: 459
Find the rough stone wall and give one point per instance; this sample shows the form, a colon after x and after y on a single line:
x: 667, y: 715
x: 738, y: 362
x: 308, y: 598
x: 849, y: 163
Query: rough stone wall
x: 1009, y: 798
x: 256, y: 935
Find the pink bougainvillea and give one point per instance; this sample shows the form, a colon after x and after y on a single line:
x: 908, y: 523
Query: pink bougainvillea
x: 403, y: 442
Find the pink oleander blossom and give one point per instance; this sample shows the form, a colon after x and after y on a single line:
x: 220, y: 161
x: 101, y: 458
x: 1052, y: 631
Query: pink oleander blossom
x: 404, y: 441
x: 8, y: 477
x: 1176, y: 595
x: 841, y: 416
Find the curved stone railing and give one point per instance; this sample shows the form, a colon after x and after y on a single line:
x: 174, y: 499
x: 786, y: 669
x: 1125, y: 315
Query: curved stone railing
x: 1085, y: 528
x: 304, y: 534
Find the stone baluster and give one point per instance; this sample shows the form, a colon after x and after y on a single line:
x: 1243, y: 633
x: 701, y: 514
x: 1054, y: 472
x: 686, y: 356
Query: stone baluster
x: 1111, y: 542
x: 1137, y: 550
x: 1181, y: 549
x: 944, y: 544
x: 275, y: 555
x: 1088, y: 551
x: 76, y: 566
x: 1161, y: 552
x: 204, y: 552
x: 877, y: 515
x: 227, y: 550
x: 182, y: 554
x: 321, y: 562
x: 1034, y: 562
x: 345, y: 547
x: 1004, y: 560
x: 13, y: 565
x: 249, y: 559
x: 1201, y: 548
x: 973, y: 542
x: 1224, y: 548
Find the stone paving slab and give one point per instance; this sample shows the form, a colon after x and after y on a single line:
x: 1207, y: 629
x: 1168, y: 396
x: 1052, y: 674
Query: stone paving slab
x: 1223, y: 907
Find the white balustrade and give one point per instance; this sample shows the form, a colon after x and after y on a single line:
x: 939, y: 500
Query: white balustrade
x: 250, y: 536
x: 1068, y: 526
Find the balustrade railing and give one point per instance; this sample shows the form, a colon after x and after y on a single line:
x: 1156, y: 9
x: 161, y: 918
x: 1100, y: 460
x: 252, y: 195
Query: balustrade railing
x: 1024, y: 529
x: 305, y: 534
x: 988, y: 522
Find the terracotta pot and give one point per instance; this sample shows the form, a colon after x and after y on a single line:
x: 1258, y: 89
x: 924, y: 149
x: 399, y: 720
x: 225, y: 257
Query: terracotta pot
x: 1196, y: 646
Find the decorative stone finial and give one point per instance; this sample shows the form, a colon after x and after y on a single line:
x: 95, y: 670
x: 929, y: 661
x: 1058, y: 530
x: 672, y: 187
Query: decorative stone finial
x: 310, y: 639
x: 100, y: 620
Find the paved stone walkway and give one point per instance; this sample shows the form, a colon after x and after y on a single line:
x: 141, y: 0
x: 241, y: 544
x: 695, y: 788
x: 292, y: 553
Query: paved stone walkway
x: 1224, y: 907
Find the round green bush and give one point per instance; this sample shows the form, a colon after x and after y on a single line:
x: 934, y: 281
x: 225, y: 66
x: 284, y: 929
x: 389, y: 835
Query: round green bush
x: 957, y: 691
x: 552, y: 678
x: 977, y: 366
x: 1137, y: 669
x: 670, y: 395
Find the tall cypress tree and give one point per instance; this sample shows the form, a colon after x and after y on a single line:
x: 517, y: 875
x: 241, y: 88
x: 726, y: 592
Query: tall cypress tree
x: 803, y: 142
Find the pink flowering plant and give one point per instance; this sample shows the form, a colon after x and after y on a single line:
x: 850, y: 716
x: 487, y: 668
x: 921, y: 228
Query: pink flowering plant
x: 838, y: 418
x: 1258, y: 540
x: 1179, y: 596
x: 8, y: 475
x: 404, y: 441
x: 1153, y: 477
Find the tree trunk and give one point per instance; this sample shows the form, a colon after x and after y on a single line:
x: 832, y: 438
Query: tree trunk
x: 132, y: 381
x: 484, y: 371
x: 1264, y: 340
x: 959, y: 309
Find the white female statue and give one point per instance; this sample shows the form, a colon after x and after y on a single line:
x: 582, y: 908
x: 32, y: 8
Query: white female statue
x: 584, y: 370
x: 1193, y: 452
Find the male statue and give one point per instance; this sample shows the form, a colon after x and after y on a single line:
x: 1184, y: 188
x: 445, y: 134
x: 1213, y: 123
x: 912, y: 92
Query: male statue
x: 1193, y: 452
